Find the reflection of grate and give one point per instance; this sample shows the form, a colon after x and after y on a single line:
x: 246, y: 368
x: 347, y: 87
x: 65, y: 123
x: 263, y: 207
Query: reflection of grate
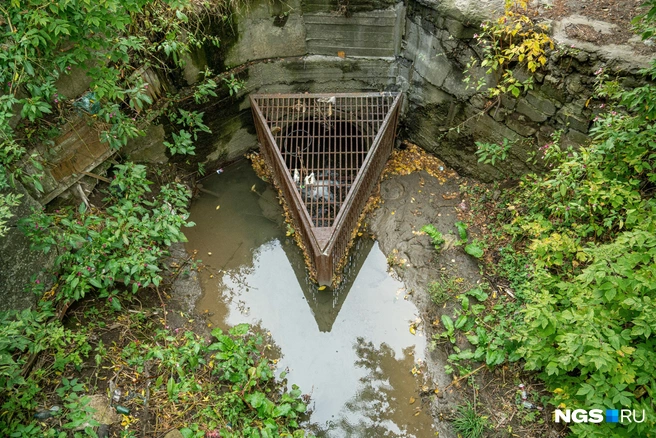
x: 320, y: 147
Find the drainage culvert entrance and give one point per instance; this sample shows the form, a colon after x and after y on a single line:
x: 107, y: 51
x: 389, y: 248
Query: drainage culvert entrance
x: 326, y: 153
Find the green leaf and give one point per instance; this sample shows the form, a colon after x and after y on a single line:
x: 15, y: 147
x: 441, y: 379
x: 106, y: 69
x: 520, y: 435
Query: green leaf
x: 240, y: 329
x: 474, y: 250
x: 462, y: 230
x: 282, y: 410
x: 186, y: 432
x: 448, y: 323
x: 94, y: 282
x: 255, y: 399
x: 478, y: 293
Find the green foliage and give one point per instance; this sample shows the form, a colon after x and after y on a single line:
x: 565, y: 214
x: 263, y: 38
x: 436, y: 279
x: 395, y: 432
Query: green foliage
x: 440, y: 291
x: 513, y: 41
x: 113, y: 42
x: 233, y: 84
x: 462, y: 230
x: 242, y: 397
x: 644, y: 23
x: 230, y: 374
x: 22, y: 335
x: 490, y: 153
x: 121, y: 246
x: 474, y: 249
x: 6, y: 202
x: 436, y: 237
x: 468, y: 424
x: 488, y: 332
x: 182, y: 142
x: 588, y: 321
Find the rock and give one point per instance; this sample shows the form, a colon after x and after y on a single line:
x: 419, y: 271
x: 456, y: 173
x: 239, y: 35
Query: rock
x: 195, y: 64
x: 553, y: 89
x: 148, y: 149
x: 523, y: 107
x: 574, y: 84
x: 572, y: 115
x: 17, y: 262
x: 103, y: 412
x: 175, y: 433
x: 522, y: 127
x: 575, y: 138
x: 73, y: 83
x: 541, y: 103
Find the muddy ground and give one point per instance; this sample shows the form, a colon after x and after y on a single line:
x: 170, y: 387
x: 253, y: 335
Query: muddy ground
x: 438, y: 196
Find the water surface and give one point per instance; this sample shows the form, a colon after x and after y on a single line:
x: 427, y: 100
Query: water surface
x: 350, y: 348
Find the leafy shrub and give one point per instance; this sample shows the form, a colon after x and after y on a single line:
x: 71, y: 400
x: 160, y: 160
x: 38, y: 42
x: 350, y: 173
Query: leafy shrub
x: 242, y: 397
x: 113, y: 42
x: 589, y: 315
x: 122, y: 245
x: 512, y: 41
x: 23, y: 335
x: 490, y: 153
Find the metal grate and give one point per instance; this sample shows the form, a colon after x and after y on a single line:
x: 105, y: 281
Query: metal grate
x: 320, y: 147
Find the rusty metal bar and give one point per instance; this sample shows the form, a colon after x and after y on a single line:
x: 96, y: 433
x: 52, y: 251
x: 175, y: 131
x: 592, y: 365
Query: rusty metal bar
x: 326, y: 152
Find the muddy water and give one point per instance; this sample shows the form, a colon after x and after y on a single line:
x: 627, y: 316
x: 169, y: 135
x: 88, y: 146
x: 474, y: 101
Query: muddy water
x: 350, y: 348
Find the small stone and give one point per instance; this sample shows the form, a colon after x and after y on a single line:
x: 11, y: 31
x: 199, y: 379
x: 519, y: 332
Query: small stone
x: 175, y: 433
x: 103, y: 413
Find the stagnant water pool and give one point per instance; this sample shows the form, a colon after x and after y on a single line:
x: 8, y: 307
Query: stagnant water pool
x: 350, y: 349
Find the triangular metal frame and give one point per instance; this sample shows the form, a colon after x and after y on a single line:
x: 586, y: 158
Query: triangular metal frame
x: 326, y: 152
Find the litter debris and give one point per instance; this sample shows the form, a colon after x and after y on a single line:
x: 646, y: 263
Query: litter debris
x: 522, y: 388
x: 116, y: 396
x: 43, y: 414
x: 219, y: 171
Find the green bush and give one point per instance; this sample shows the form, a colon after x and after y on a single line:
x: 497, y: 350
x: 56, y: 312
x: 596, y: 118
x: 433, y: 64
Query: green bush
x: 589, y: 319
x: 22, y: 336
x: 121, y: 246
x: 436, y: 237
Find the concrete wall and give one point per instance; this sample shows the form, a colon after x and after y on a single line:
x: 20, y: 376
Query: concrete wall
x: 422, y: 48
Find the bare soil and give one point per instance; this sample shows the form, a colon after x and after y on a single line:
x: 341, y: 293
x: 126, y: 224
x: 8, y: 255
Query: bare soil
x: 618, y: 13
x: 418, y: 189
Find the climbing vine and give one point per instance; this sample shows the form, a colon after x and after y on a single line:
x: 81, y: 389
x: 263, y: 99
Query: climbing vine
x: 509, y: 44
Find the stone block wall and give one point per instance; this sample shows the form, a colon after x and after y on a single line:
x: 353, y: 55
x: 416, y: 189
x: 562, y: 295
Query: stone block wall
x: 437, y: 45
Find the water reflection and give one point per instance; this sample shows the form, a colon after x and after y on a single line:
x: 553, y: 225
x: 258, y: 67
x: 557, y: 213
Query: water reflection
x: 350, y: 348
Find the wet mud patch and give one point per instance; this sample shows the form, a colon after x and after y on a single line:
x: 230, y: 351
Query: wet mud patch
x: 417, y: 190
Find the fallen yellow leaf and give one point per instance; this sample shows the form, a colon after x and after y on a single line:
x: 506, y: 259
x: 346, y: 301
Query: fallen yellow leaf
x: 321, y: 287
x: 218, y: 206
x: 412, y: 400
